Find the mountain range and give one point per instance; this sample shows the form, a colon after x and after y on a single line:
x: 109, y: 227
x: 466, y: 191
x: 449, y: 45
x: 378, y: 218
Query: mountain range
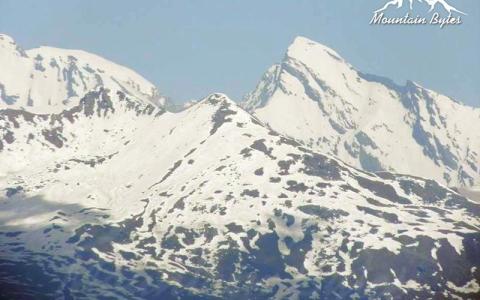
x: 109, y: 195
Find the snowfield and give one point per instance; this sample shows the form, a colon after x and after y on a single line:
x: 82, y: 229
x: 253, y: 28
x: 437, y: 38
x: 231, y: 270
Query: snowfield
x: 115, y: 197
x: 370, y: 122
x: 46, y: 79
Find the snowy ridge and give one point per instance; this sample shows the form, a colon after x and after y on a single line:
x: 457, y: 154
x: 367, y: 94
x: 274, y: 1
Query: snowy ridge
x: 318, y: 98
x: 24, y: 135
x: 49, y: 80
x: 209, y: 202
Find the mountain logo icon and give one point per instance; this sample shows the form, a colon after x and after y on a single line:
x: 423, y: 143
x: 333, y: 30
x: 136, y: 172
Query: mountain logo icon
x: 431, y: 3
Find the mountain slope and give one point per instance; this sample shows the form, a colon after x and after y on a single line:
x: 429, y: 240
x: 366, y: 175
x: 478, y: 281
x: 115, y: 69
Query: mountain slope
x: 472, y: 193
x: 46, y: 79
x: 208, y: 202
x: 318, y: 98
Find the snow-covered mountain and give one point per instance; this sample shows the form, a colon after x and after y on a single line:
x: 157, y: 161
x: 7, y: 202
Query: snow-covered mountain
x: 112, y: 198
x: 316, y: 97
x: 46, y: 79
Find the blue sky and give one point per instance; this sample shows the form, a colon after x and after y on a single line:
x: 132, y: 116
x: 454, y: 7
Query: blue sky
x: 192, y: 48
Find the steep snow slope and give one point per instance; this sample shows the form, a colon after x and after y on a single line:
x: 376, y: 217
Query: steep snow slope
x: 471, y: 193
x: 112, y: 198
x: 318, y: 98
x: 46, y: 80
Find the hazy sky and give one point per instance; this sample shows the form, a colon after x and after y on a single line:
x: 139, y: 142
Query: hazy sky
x: 192, y: 48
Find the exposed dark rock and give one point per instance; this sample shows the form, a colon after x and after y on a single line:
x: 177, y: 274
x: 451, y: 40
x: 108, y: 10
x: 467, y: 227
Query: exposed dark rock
x: 322, y: 212
x: 259, y: 145
x: 12, y: 191
x: 382, y: 190
x: 259, y: 172
x: 232, y: 227
x: 294, y: 186
x: 54, y: 137
x: 251, y: 193
x: 275, y: 179
x: 389, y: 217
x: 170, y: 172
x: 222, y: 114
x: 319, y: 165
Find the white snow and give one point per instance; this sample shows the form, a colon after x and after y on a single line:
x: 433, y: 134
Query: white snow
x: 47, y: 79
x: 314, y: 91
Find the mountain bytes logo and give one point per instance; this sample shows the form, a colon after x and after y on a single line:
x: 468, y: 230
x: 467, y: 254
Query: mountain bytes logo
x: 444, y: 14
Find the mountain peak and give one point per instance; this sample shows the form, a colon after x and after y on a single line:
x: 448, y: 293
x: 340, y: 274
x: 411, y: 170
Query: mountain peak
x: 299, y: 40
x: 8, y: 43
x: 6, y: 39
x: 217, y: 99
x: 49, y: 80
x: 303, y: 48
x: 413, y: 84
x: 319, y: 98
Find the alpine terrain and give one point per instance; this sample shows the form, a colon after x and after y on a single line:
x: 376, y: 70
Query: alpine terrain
x: 110, y: 196
x: 370, y: 122
x: 47, y: 79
